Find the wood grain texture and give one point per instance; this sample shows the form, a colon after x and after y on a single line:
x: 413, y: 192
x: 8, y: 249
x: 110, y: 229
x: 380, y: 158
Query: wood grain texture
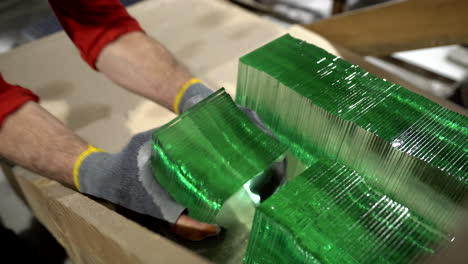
x: 92, y: 233
x: 398, y: 26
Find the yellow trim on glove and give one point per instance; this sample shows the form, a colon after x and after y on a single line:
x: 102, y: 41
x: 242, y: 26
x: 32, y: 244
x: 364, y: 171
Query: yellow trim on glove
x: 180, y: 94
x: 79, y: 161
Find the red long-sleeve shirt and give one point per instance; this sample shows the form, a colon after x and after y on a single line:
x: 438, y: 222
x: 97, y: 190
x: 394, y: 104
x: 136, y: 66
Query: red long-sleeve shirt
x: 91, y: 25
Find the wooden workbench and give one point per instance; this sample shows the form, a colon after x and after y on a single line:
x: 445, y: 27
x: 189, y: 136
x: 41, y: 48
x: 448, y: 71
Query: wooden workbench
x: 207, y: 36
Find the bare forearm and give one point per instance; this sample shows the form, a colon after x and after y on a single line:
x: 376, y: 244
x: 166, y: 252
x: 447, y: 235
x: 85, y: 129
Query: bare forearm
x: 143, y: 66
x: 33, y: 138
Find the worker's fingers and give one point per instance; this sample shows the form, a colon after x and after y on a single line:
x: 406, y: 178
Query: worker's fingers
x: 192, y: 229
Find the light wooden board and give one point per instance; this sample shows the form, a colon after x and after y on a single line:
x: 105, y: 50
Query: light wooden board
x: 93, y: 233
x: 397, y: 26
x: 207, y: 36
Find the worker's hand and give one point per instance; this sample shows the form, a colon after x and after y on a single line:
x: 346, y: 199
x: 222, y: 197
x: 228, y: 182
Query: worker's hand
x: 126, y: 179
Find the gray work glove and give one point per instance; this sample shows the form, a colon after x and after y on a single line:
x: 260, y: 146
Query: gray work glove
x: 125, y: 178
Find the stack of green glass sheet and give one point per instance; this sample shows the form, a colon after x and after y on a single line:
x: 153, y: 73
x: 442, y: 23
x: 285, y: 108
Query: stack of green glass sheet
x: 329, y: 214
x: 406, y: 156
x: 209, y: 152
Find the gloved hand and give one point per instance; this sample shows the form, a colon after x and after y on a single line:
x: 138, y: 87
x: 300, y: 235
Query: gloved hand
x: 125, y: 178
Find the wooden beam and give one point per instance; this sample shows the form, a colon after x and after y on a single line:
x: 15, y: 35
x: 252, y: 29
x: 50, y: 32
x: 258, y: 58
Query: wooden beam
x: 92, y: 233
x: 397, y: 26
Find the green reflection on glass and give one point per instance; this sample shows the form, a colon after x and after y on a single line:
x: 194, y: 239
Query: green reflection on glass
x: 209, y: 152
x: 396, y: 150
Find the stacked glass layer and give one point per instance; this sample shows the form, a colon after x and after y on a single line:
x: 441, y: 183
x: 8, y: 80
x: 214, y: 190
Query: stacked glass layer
x: 329, y: 214
x: 209, y: 152
x: 402, y: 145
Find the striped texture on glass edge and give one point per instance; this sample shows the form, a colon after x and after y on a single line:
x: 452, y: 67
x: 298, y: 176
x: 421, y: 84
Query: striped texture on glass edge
x: 404, y: 155
x: 208, y: 153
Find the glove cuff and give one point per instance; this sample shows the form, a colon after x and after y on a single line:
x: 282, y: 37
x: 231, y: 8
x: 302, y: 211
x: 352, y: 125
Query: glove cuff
x: 190, y: 94
x: 79, y: 161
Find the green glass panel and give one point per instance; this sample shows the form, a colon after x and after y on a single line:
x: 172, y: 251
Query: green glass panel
x: 328, y: 111
x: 209, y: 152
x: 329, y: 214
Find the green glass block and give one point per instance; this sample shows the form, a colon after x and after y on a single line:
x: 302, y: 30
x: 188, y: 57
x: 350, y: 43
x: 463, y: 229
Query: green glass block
x: 329, y: 214
x: 402, y: 146
x: 209, y: 152
x: 317, y: 102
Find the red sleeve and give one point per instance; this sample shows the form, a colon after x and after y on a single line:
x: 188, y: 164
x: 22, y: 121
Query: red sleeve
x: 92, y: 24
x: 13, y: 97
